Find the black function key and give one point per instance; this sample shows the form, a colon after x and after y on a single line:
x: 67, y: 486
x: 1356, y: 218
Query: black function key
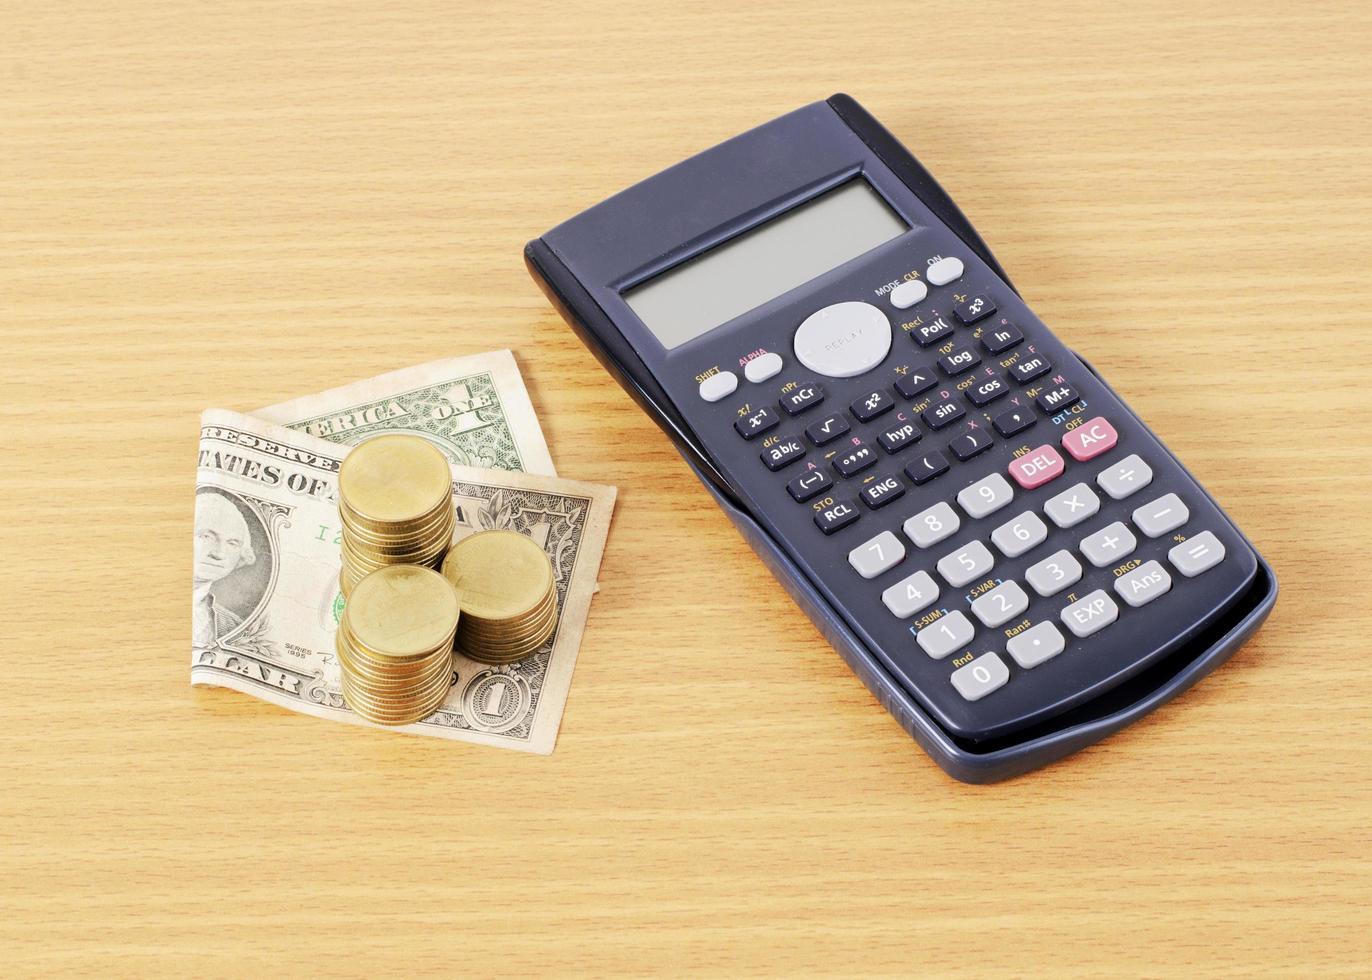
x: 974, y: 308
x: 837, y: 516
x: 784, y: 453
x: 942, y: 413
x: 1013, y: 421
x: 962, y: 359
x: 754, y: 424
x: 855, y: 460
x: 926, y: 468
x: 826, y: 429
x: 1028, y: 368
x: 881, y: 492
x: 931, y: 331
x: 1057, y: 398
x: 970, y: 443
x: 986, y: 391
x: 916, y: 382
x: 809, y: 484
x: 1001, y: 338
x: 870, y: 406
x: 898, y: 436
x: 801, y: 397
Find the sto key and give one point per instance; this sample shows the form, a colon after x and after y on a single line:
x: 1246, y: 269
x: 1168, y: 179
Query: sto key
x: 1037, y: 467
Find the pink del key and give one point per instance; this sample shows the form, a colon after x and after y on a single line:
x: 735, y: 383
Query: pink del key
x: 1090, y: 439
x: 1037, y: 467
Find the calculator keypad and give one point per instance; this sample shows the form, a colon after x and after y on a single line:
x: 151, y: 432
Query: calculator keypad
x: 1004, y: 571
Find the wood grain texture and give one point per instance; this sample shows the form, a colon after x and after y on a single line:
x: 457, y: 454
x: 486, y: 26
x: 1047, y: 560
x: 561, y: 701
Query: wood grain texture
x: 234, y: 204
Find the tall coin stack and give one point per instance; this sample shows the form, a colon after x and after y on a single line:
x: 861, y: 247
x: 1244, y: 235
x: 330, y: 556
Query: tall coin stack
x: 395, y: 644
x: 395, y: 501
x: 508, y: 598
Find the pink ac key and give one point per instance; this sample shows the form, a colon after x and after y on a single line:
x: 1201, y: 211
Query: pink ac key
x: 1037, y: 467
x: 1090, y: 439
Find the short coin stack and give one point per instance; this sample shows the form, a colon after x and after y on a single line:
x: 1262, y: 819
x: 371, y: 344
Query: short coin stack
x: 395, y: 502
x: 395, y: 644
x: 508, y: 597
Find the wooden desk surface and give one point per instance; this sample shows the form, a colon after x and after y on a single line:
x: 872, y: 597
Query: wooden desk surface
x: 206, y: 206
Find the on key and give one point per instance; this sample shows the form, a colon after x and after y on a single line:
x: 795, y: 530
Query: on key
x: 754, y: 424
x: 801, y: 397
x: 974, y: 308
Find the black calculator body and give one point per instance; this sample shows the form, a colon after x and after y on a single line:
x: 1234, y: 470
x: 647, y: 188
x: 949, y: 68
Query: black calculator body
x: 1002, y: 551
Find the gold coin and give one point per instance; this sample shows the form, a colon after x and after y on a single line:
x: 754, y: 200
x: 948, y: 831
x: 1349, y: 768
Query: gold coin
x: 392, y: 479
x: 418, y: 528
x: 501, y: 574
x: 390, y: 676
x: 500, y: 641
x: 404, y: 610
x: 505, y: 627
x: 395, y: 712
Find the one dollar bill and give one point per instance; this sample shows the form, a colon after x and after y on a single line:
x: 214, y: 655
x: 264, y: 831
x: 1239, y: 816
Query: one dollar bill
x: 266, y: 602
x: 475, y: 409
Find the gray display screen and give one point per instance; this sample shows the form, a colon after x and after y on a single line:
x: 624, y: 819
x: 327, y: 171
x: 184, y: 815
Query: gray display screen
x: 764, y: 262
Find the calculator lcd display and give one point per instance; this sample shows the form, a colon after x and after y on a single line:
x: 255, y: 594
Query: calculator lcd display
x: 764, y: 262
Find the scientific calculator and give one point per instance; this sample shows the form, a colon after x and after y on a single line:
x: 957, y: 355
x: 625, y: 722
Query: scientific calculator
x: 1002, y: 551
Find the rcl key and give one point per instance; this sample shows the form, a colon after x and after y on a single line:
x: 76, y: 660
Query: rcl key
x: 836, y: 516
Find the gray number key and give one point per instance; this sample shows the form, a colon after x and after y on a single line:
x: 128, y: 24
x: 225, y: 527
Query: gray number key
x: 1125, y: 477
x: 1072, y: 506
x: 980, y: 677
x: 911, y: 594
x: 1167, y: 513
x: 967, y: 564
x: 1197, y: 554
x: 873, y: 557
x: 943, y: 636
x: 985, y: 496
x: 1001, y: 604
x: 1143, y: 584
x: 1091, y: 615
x: 929, y: 527
x: 1108, y: 545
x: 1054, y: 573
x: 1036, y: 644
x: 1019, y: 534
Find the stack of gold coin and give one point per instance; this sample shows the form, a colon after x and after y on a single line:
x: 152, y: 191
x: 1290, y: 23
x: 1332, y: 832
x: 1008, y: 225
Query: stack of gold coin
x: 509, y: 602
x: 395, y: 501
x: 395, y: 644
